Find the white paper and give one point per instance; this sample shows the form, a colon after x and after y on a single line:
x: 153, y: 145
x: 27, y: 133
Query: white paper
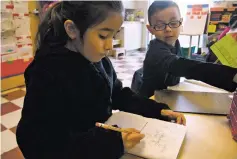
x: 20, y: 6
x: 8, y: 38
x: 25, y: 52
x: 194, y: 25
x: 6, y: 15
x: 10, y: 57
x: 121, y: 120
x: 22, y: 25
x: 4, y: 5
x: 23, y: 40
x: 8, y: 49
x: 162, y: 139
x: 6, y: 24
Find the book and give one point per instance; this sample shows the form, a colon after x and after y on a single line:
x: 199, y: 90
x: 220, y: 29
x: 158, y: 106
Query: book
x: 162, y: 140
x: 225, y: 50
x: 232, y: 116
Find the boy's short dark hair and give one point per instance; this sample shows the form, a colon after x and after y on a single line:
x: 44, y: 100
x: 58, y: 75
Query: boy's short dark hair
x: 159, y: 6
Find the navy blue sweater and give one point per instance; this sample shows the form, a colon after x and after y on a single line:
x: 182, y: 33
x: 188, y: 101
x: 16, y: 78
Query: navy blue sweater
x: 164, y: 65
x: 66, y: 96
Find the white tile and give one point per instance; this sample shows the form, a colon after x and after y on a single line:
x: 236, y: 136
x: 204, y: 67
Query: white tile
x: 4, y: 100
x: 19, y: 102
x: 11, y: 120
x: 8, y: 141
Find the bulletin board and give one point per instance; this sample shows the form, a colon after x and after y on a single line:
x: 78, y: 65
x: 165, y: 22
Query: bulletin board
x: 16, y: 40
x: 17, y: 46
x: 196, y: 19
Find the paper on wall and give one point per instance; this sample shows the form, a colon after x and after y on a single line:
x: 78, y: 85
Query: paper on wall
x: 195, y: 20
x: 6, y: 24
x: 195, y: 24
x: 10, y: 57
x: 20, y: 6
x: 23, y: 40
x: 6, y: 15
x: 25, y: 52
x: 6, y: 6
x: 8, y: 49
x: 8, y: 37
x: 22, y: 24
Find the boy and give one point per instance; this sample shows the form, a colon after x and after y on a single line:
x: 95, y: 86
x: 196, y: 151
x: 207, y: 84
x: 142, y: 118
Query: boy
x: 164, y: 65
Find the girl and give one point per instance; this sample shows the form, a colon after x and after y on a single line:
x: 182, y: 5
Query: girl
x: 71, y: 85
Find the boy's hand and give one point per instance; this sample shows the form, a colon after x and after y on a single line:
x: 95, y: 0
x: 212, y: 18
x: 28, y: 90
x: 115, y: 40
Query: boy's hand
x: 131, y: 139
x: 179, y: 117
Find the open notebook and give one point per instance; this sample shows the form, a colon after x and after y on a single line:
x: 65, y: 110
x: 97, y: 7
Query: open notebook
x: 162, y: 139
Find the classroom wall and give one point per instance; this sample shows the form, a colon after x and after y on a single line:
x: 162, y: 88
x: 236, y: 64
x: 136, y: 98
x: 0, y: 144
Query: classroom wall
x: 143, y: 4
x: 16, y: 80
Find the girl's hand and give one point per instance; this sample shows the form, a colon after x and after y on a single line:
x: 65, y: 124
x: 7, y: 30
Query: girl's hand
x: 179, y: 117
x: 132, y: 138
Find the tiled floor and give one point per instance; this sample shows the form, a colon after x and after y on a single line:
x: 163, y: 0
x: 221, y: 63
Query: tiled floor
x: 12, y: 103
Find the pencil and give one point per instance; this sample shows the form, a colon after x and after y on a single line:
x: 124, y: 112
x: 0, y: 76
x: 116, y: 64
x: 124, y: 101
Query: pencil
x: 110, y: 127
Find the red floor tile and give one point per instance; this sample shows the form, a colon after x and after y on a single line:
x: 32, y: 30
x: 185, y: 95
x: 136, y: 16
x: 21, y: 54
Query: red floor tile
x: 3, y: 128
x: 13, y: 130
x: 15, y: 95
x: 8, y: 108
x: 12, y: 154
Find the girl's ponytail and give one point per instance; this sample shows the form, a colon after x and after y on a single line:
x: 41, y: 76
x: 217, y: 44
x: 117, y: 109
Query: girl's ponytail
x: 84, y: 14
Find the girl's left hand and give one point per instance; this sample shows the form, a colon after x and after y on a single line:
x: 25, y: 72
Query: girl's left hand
x: 179, y: 117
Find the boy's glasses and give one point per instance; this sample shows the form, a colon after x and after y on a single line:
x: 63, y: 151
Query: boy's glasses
x: 172, y: 24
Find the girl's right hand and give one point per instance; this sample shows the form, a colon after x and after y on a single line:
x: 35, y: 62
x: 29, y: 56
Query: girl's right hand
x: 131, y: 139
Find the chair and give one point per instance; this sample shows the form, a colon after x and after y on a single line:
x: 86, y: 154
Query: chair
x: 137, y: 80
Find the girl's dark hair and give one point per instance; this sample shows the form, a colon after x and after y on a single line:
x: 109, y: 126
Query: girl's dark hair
x: 84, y: 14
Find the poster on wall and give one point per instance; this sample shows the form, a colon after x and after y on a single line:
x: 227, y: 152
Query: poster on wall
x: 196, y: 18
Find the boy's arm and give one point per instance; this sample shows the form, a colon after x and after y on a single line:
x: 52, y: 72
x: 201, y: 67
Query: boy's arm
x: 220, y: 76
x: 217, y: 75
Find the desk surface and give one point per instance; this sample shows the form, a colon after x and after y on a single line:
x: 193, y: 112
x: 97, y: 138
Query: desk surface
x: 197, y: 86
x: 207, y: 137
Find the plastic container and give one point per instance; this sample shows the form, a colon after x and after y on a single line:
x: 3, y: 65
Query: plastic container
x: 185, y: 51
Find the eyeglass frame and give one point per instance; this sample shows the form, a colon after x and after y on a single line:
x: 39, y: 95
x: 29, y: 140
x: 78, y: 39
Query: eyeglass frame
x: 180, y: 23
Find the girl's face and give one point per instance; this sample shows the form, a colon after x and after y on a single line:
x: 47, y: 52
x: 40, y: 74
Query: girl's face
x: 97, y: 41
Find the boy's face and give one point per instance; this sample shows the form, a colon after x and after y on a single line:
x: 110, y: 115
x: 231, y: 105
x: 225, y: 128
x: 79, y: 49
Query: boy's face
x: 170, y: 33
